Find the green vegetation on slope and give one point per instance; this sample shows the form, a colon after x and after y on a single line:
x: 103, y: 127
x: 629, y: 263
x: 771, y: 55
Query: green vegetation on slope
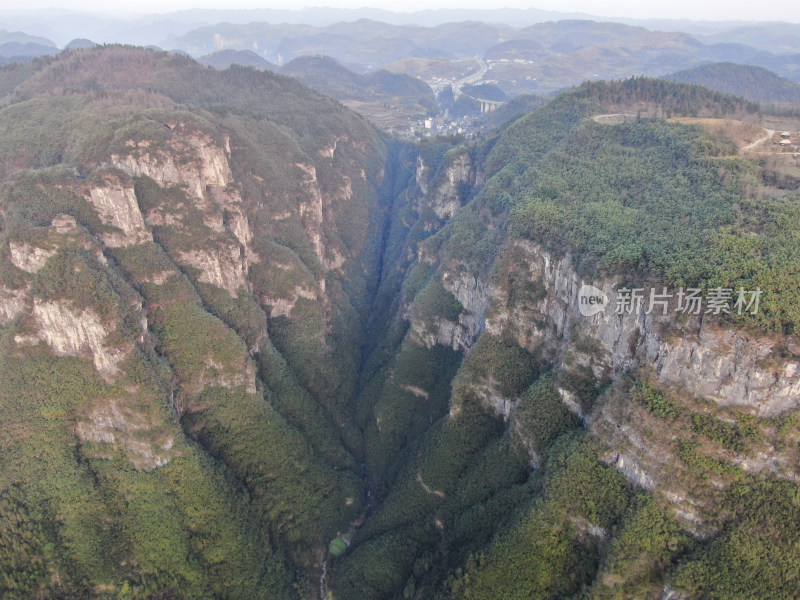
x: 245, y: 429
x: 754, y: 83
x: 648, y: 200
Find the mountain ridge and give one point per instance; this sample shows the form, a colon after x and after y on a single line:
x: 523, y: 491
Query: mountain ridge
x: 755, y: 83
x: 234, y: 329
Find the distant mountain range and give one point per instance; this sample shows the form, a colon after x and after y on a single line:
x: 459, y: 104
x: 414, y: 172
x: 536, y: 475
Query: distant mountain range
x: 62, y: 25
x: 326, y: 76
x: 366, y: 43
x: 530, y: 57
x: 779, y: 38
x: 551, y: 55
x: 16, y: 46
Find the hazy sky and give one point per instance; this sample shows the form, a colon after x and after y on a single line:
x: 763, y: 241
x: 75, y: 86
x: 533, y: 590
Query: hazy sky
x: 761, y: 10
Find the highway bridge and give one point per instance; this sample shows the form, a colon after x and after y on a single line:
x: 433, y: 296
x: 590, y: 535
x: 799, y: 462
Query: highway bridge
x: 486, y: 106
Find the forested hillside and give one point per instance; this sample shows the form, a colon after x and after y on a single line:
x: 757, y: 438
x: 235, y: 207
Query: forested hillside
x: 754, y: 83
x: 328, y: 77
x: 237, y: 324
x: 209, y: 249
x: 588, y: 456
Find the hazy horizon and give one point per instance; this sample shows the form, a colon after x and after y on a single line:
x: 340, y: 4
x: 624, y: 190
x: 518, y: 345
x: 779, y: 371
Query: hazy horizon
x: 769, y: 11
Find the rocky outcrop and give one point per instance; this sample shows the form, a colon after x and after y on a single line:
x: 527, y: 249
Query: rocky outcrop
x: 31, y: 256
x: 113, y: 426
x: 441, y: 332
x: 203, y: 163
x: 217, y: 374
x: 223, y: 267
x: 28, y: 257
x: 421, y: 175
x: 329, y: 151
x: 725, y: 365
x: 72, y: 333
x: 64, y: 224
x: 534, y: 298
x: 446, y: 196
x: 472, y: 293
x: 282, y: 307
x: 312, y: 213
x: 117, y: 207
x: 199, y: 166
x: 443, y: 192
x: 12, y: 303
x: 311, y: 210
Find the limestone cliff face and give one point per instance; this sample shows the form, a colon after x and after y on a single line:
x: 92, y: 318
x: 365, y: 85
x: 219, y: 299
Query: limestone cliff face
x: 472, y: 293
x: 31, y: 255
x: 241, y: 373
x: 203, y: 162
x: 445, y: 197
x: 725, y: 365
x: 75, y: 333
x: 728, y: 366
x: 223, y: 266
x: 313, y: 215
x: 118, y: 424
x: 64, y: 224
x: 117, y: 207
x: 12, y: 303
x: 199, y: 166
x: 696, y: 358
x: 114, y: 426
x: 282, y: 307
x: 28, y: 257
x: 421, y: 175
x: 69, y: 330
x: 441, y: 198
x: 442, y: 190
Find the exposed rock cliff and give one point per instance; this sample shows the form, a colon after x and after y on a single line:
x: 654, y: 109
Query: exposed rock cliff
x: 726, y: 365
x: 203, y: 162
x: 194, y: 163
x: 443, y: 188
x: 705, y: 359
x: 697, y: 358
x: 72, y: 333
x: 29, y: 258
x: 472, y: 293
x: 12, y: 303
x: 113, y: 426
x: 446, y: 197
x: 117, y: 207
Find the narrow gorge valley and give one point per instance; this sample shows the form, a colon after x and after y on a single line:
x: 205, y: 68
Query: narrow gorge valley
x: 238, y: 323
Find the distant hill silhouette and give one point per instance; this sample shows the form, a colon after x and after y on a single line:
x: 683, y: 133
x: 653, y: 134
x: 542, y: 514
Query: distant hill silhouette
x: 80, y: 43
x: 328, y: 77
x: 246, y: 58
x: 26, y: 49
x: 754, y: 83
